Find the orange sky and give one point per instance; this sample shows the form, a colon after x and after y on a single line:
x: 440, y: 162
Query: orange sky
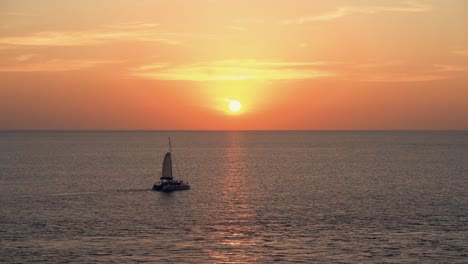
x: 175, y: 64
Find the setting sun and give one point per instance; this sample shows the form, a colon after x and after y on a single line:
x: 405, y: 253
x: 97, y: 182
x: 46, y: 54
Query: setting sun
x: 234, y: 106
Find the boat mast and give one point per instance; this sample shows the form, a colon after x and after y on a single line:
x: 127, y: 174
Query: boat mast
x: 170, y: 147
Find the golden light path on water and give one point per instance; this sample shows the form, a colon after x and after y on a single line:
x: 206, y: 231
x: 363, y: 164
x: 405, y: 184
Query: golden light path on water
x: 235, y: 236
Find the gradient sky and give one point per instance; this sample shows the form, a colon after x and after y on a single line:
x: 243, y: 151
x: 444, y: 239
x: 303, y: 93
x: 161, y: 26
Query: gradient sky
x: 175, y: 64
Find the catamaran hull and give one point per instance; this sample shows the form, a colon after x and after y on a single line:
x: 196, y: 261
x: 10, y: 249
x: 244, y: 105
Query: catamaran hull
x: 170, y: 188
x: 157, y: 187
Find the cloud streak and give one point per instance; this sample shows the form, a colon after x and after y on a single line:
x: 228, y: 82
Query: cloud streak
x: 460, y: 52
x: 127, y: 32
x: 135, y: 25
x: 449, y: 68
x: 402, y: 78
x: 232, y: 70
x: 13, y: 14
x: 400, y: 71
x: 53, y: 65
x: 351, y: 10
x: 26, y: 57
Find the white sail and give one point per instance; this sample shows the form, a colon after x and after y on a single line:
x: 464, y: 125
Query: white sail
x: 167, y: 167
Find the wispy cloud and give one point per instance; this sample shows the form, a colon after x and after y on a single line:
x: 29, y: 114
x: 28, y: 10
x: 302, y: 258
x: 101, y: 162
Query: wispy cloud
x: 370, y: 71
x: 244, y: 24
x: 251, y: 21
x: 238, y: 28
x: 450, y: 68
x: 460, y: 52
x: 401, y: 71
x: 127, y: 32
x: 26, y: 57
x: 53, y: 65
x: 233, y: 70
x: 379, y: 64
x: 13, y: 14
x: 135, y: 25
x: 351, y: 10
x: 402, y: 77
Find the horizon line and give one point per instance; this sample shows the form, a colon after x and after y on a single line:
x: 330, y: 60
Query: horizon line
x: 233, y: 130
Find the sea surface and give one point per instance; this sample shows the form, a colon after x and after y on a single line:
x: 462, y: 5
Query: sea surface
x: 256, y: 197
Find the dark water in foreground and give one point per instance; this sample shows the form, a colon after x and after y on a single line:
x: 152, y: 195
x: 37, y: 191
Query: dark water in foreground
x: 256, y: 197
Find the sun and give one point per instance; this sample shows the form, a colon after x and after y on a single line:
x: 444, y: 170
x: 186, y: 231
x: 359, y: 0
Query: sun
x: 234, y: 106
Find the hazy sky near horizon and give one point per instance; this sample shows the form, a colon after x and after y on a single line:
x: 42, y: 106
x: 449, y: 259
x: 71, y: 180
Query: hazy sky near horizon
x: 176, y: 64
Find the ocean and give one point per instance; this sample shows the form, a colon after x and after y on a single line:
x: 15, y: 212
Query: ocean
x: 256, y: 197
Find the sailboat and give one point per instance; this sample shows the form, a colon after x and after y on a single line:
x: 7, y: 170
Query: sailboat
x: 167, y: 182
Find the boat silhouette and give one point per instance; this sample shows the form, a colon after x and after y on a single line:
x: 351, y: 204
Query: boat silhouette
x: 167, y: 182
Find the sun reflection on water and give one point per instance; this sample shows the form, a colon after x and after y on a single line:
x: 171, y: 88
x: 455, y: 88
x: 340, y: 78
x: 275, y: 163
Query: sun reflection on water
x: 234, y: 228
